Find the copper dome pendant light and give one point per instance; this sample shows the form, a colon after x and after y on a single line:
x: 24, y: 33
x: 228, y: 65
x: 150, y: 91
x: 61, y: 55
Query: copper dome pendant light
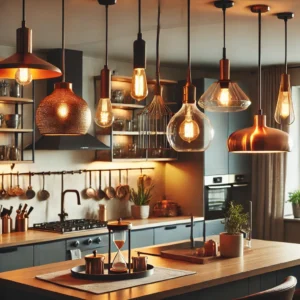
x: 24, y: 66
x: 63, y: 112
x: 284, y: 113
x: 224, y: 95
x: 189, y: 130
x: 104, y: 116
x: 259, y: 138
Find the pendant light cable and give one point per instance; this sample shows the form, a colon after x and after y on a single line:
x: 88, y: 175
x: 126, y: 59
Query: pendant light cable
x: 139, y: 11
x: 260, y: 111
x: 23, y: 13
x: 63, y: 54
x: 285, y: 58
x: 106, y: 37
x: 158, y: 87
x: 224, y: 32
x: 189, y: 76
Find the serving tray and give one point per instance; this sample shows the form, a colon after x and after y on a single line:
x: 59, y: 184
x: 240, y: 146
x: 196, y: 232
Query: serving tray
x: 79, y: 272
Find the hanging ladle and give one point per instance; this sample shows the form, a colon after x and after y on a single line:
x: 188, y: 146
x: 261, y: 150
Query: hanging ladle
x: 43, y: 194
x: 2, y: 191
x: 30, y: 193
x: 11, y: 190
x: 101, y: 193
x: 110, y: 191
x: 90, y: 192
x: 18, y: 191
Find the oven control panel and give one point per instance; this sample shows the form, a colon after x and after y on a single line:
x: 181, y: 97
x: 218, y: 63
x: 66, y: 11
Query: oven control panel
x: 88, y: 242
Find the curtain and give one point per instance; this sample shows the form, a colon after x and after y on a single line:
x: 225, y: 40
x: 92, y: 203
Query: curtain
x: 269, y: 170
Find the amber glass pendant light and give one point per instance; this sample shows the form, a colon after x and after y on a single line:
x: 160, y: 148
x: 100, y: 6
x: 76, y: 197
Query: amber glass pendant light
x: 63, y: 112
x: 104, y: 116
x: 284, y: 113
x: 259, y: 138
x: 139, y: 88
x: 224, y: 95
x: 189, y: 130
x: 24, y: 66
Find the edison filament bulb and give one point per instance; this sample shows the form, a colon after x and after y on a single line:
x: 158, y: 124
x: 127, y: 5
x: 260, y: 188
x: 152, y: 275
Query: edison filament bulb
x: 104, y: 115
x: 23, y: 76
x: 139, y: 88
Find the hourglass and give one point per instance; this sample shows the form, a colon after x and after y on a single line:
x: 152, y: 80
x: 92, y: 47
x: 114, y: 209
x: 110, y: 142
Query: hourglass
x: 118, y: 231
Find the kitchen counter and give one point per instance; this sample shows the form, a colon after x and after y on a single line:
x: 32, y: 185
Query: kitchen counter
x: 275, y: 259
x: 36, y: 236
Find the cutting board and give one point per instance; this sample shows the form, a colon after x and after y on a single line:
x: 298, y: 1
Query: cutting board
x: 187, y: 255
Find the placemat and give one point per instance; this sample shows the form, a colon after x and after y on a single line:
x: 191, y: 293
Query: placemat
x: 64, y: 278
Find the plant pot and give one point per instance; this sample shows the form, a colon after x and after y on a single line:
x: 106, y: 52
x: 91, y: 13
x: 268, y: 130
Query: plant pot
x: 296, y: 210
x: 140, y: 211
x: 231, y: 245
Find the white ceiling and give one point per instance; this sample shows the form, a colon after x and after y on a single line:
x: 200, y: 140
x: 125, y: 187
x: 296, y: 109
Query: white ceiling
x: 85, y: 29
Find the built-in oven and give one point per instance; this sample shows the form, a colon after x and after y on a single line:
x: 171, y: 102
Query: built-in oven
x: 221, y: 189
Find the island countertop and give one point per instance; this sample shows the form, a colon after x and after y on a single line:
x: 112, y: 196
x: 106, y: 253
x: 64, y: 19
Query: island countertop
x: 15, y: 239
x: 264, y: 257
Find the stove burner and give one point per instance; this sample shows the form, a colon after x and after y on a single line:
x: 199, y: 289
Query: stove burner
x: 69, y: 225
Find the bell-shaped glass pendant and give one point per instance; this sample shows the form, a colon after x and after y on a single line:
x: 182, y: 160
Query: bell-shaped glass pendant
x: 284, y: 113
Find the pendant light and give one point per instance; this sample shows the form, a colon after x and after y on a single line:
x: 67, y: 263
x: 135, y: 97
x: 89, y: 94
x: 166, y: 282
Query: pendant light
x: 104, y: 116
x: 259, y: 138
x: 63, y: 112
x: 284, y: 113
x: 24, y: 66
x: 154, y: 118
x: 224, y: 95
x: 139, y: 88
x: 189, y: 130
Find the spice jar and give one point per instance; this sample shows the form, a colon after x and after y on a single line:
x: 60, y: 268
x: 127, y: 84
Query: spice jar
x: 102, y: 213
x: 4, y: 89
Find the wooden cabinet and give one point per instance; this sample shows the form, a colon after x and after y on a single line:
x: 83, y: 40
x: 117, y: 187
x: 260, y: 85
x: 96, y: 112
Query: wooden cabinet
x: 123, y: 137
x: 13, y: 258
x: 49, y: 253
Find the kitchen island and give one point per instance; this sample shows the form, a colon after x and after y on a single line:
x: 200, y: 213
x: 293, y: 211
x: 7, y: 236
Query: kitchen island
x: 262, y: 267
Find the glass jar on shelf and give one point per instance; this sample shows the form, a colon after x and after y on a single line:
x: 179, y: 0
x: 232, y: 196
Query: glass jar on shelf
x: 4, y: 89
x: 118, y: 124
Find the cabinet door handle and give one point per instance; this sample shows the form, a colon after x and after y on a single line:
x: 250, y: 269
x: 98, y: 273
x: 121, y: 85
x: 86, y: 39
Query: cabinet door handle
x: 189, y: 225
x: 8, y: 250
x: 170, y: 227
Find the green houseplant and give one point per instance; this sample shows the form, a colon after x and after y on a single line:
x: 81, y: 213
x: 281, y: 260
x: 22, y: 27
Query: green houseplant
x: 141, y: 198
x: 232, y: 241
x: 294, y: 198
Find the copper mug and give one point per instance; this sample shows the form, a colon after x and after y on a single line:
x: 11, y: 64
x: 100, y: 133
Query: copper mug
x: 94, y: 263
x: 139, y: 263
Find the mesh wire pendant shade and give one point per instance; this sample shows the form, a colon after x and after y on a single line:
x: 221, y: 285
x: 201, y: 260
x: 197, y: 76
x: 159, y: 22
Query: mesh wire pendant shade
x: 153, y: 121
x: 63, y: 113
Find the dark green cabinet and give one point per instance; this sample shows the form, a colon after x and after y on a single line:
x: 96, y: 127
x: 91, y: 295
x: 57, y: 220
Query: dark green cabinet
x: 49, y: 253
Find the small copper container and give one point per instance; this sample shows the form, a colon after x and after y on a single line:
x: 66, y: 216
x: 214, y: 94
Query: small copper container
x: 94, y: 263
x: 139, y: 263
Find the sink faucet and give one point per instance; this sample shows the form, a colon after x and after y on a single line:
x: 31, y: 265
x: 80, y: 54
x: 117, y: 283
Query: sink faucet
x: 63, y: 214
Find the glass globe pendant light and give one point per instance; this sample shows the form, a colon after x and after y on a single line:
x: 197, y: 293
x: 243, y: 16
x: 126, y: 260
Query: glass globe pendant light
x: 224, y: 95
x: 189, y: 130
x: 284, y: 113
x: 259, y: 138
x: 104, y: 116
x: 139, y: 88
x: 63, y: 112
x: 24, y: 66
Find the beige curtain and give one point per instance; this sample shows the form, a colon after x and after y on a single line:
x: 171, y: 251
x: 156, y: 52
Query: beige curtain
x: 269, y: 171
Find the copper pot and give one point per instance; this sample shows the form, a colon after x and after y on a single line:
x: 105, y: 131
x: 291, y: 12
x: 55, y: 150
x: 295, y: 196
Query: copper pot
x: 94, y: 263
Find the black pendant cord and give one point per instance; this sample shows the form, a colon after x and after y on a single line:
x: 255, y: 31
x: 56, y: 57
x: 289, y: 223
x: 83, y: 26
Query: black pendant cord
x: 106, y: 36
x: 259, y: 63
x: 157, y: 51
x: 189, y: 76
x: 285, y: 58
x: 63, y: 54
x: 224, y: 32
x: 140, y: 21
x: 23, y: 13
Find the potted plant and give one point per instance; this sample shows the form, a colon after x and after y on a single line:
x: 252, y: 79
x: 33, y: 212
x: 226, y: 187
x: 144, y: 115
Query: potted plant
x: 232, y: 241
x: 294, y: 198
x: 140, y: 208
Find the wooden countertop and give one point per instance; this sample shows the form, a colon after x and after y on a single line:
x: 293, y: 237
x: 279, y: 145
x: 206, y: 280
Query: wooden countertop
x: 35, y: 236
x: 264, y: 257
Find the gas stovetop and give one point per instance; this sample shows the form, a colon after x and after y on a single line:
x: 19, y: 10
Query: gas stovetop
x: 69, y: 225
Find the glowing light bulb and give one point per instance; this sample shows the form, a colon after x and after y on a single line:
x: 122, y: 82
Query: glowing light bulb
x: 139, y: 88
x: 104, y: 115
x: 23, y: 76
x: 285, y: 105
x: 224, y: 98
x: 189, y: 129
x: 63, y: 110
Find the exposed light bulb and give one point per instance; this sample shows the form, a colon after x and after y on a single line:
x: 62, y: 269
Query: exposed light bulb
x: 189, y: 129
x: 63, y: 110
x: 104, y: 115
x: 285, y: 105
x: 23, y: 76
x: 224, y: 97
x: 139, y: 88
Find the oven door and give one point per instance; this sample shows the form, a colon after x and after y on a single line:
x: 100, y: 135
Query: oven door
x: 216, y: 197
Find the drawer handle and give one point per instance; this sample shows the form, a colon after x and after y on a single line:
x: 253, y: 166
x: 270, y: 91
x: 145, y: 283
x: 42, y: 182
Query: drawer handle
x: 170, y: 227
x: 189, y: 225
x: 8, y: 250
